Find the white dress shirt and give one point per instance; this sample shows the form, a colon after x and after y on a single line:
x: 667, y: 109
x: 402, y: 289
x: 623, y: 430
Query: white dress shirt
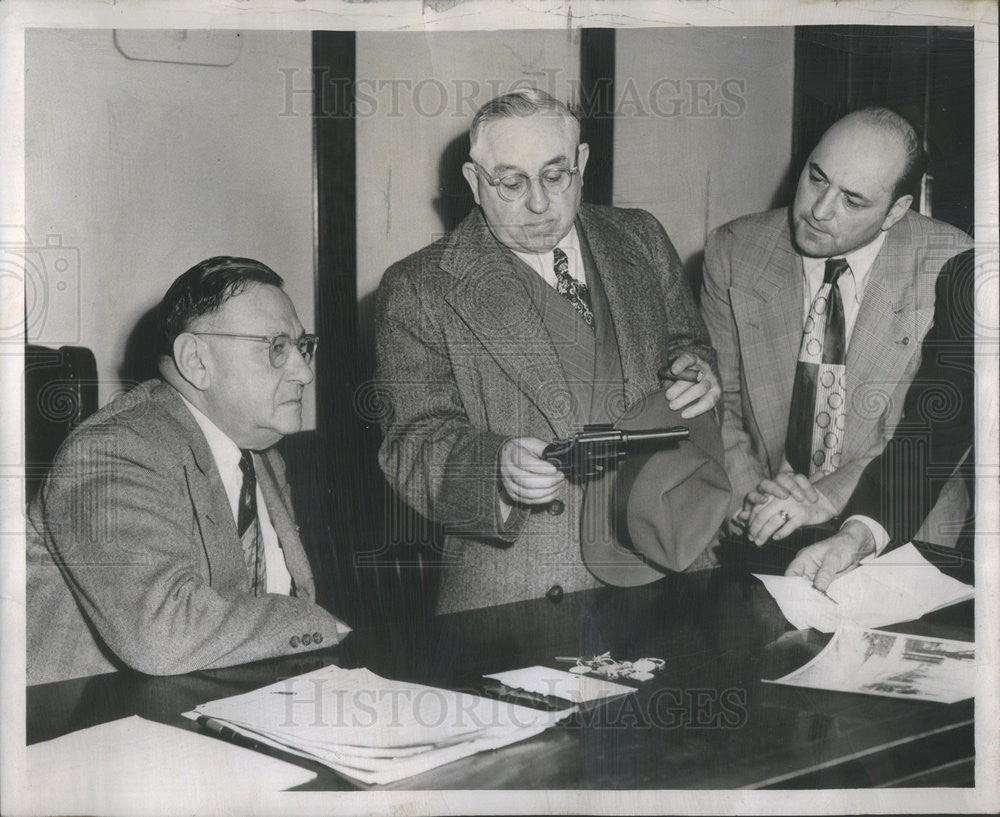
x: 852, y: 290
x: 851, y: 283
x: 544, y: 263
x: 227, y: 459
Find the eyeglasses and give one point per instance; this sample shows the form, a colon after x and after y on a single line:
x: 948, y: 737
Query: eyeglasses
x: 513, y: 186
x: 279, y: 347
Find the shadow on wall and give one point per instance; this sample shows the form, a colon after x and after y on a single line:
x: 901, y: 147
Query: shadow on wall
x: 454, y: 196
x: 452, y: 204
x: 141, y: 351
x: 783, y: 196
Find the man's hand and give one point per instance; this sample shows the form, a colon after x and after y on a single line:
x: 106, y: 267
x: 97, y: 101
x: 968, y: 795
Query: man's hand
x: 525, y: 476
x: 782, y: 505
x: 823, y: 562
x: 695, y: 389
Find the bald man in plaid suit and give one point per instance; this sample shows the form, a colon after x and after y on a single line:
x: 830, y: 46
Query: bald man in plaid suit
x: 763, y: 273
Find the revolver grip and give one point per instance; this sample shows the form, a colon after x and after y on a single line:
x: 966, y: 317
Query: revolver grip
x: 559, y: 454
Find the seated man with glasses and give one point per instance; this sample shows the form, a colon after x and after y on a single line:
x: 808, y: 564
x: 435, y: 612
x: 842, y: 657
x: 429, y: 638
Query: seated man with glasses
x: 163, y: 538
x: 536, y: 315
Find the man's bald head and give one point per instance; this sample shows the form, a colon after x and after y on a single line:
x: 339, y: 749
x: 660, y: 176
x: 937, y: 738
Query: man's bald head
x: 893, y: 126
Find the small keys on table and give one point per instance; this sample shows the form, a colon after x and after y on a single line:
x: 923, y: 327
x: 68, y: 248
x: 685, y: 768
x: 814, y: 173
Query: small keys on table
x: 640, y: 670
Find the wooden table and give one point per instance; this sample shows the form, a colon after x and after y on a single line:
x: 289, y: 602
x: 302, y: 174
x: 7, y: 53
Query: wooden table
x: 706, y: 721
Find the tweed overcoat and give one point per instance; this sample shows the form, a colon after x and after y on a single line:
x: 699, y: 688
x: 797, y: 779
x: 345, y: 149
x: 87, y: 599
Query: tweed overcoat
x: 464, y: 363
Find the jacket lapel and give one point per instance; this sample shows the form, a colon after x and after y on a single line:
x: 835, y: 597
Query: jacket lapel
x: 767, y: 309
x: 491, y: 298
x: 214, y: 516
x: 641, y: 333
x: 284, y: 526
x: 209, y: 502
x: 886, y: 333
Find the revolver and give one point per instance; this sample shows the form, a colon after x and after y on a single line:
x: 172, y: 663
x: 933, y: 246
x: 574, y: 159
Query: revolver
x: 597, y: 447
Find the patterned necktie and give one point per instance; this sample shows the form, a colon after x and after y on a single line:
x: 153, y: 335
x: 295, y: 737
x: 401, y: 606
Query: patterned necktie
x: 576, y: 292
x: 248, y: 527
x: 816, y: 420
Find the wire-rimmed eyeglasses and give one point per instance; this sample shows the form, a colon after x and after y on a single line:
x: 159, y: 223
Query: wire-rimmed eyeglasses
x: 513, y: 186
x: 279, y: 347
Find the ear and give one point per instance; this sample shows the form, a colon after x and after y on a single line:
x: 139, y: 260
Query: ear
x: 189, y: 361
x: 897, y: 211
x: 472, y: 177
x: 582, y: 154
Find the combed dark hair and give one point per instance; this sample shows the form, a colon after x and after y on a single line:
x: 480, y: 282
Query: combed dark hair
x: 524, y: 102
x: 916, y: 157
x: 203, y: 289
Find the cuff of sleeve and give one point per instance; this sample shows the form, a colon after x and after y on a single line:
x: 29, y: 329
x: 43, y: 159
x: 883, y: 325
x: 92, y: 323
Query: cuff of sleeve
x: 509, y: 517
x: 879, y: 534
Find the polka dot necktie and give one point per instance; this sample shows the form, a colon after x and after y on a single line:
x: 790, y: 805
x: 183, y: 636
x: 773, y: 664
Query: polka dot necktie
x: 576, y: 292
x: 817, y: 417
x: 248, y: 527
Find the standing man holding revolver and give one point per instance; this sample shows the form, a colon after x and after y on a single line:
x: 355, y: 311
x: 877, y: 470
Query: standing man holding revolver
x: 535, y: 316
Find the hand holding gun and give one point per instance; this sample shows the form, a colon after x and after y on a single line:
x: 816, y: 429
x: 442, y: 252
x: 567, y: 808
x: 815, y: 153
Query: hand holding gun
x: 589, y: 452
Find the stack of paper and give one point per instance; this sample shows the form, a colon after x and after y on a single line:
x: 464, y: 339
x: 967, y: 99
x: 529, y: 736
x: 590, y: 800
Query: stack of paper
x: 892, y: 664
x: 372, y: 729
x: 899, y: 586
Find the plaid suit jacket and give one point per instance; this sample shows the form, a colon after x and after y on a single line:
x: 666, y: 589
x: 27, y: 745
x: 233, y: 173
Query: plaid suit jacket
x: 133, y: 558
x: 752, y: 305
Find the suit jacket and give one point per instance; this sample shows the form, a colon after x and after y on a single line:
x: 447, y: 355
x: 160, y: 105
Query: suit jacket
x: 752, y: 304
x: 465, y: 363
x: 936, y: 433
x: 133, y: 557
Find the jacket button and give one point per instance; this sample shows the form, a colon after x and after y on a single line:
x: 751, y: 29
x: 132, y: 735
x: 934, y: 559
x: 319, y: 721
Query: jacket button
x: 317, y: 638
x: 554, y: 593
x: 906, y: 341
x: 556, y: 507
x: 306, y: 640
x: 294, y: 641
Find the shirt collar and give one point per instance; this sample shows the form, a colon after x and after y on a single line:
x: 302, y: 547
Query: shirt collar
x: 542, y: 262
x: 225, y: 452
x: 860, y: 260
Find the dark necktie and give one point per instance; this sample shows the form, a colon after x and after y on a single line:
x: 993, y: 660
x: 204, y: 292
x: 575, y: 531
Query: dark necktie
x: 248, y: 527
x: 576, y: 292
x: 817, y: 417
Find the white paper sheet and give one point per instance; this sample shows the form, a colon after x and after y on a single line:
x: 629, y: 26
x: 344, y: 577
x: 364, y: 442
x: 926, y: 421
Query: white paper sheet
x: 899, y: 586
x: 894, y: 665
x: 565, y: 685
x: 113, y: 766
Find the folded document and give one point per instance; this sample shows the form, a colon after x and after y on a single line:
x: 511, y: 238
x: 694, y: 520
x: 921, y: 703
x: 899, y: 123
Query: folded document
x: 899, y: 586
x: 373, y: 729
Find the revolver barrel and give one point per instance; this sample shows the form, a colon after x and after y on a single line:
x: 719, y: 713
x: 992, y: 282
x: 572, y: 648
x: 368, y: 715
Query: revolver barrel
x: 655, y: 435
x: 589, y: 452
